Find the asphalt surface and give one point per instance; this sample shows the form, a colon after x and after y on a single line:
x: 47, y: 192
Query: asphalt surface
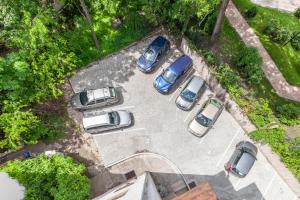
x: 160, y: 127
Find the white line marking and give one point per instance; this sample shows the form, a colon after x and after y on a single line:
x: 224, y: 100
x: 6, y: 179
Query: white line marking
x: 124, y: 131
x: 121, y: 108
x: 268, y: 187
x: 236, y: 134
x: 186, y: 118
x: 182, y: 83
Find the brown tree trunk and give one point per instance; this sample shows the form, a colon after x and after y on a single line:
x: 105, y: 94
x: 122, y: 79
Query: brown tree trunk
x: 219, y: 21
x: 89, y: 21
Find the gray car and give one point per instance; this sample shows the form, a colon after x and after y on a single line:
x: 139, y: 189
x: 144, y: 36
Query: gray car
x: 95, y: 98
x: 96, y: 122
x: 191, y: 93
x: 242, y: 159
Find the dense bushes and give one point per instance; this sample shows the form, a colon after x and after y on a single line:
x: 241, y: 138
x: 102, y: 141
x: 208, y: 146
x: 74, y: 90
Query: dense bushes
x: 47, y: 178
x: 251, y: 12
x: 249, y: 62
x: 288, y: 114
x: 288, y: 149
x: 295, y: 41
x: 297, y: 13
x: 276, y: 32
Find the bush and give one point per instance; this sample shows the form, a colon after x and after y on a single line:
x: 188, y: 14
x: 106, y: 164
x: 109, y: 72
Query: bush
x: 297, y: 13
x: 261, y: 114
x: 276, y: 32
x: 249, y: 62
x: 210, y: 23
x: 251, y: 12
x: 288, y: 114
x: 295, y: 41
x: 288, y: 149
x: 47, y: 178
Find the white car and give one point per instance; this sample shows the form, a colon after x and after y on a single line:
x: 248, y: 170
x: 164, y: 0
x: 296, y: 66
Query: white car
x: 206, y: 117
x: 104, y: 121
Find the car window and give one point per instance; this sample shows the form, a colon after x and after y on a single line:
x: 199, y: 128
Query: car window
x: 114, y: 118
x: 203, y: 120
x: 188, y: 95
x: 100, y: 100
x: 237, y: 171
x: 169, y: 76
x: 149, y: 55
x: 83, y: 98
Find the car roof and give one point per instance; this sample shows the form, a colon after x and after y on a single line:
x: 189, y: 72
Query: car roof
x: 98, y: 93
x: 211, y: 108
x: 158, y: 42
x: 245, y: 163
x: 96, y: 121
x: 180, y: 64
x: 195, y: 84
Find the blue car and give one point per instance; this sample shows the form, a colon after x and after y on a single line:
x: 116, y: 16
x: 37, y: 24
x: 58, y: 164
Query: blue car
x: 154, y: 52
x: 169, y: 77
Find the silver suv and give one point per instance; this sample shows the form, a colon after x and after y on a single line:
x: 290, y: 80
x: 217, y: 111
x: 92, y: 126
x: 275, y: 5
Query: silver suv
x: 95, y: 98
x: 206, y: 117
x: 96, y: 122
x: 191, y: 93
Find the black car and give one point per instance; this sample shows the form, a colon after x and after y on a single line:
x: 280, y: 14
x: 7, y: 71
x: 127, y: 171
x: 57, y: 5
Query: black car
x: 242, y: 159
x: 154, y: 52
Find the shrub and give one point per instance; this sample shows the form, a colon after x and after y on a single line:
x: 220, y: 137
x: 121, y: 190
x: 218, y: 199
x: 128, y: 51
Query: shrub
x: 47, y: 178
x: 210, y: 23
x: 251, y: 12
x: 295, y: 41
x: 288, y: 114
x: 297, y: 13
x: 288, y: 149
x: 261, y: 114
x: 276, y: 32
x: 249, y: 61
x: 210, y: 57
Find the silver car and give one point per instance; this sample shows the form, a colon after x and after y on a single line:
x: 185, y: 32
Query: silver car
x: 104, y: 121
x: 206, y: 117
x: 95, y: 98
x: 242, y: 159
x: 191, y: 93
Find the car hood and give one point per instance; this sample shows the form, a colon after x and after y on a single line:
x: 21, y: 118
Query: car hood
x: 125, y: 117
x: 144, y: 64
x: 197, y: 128
x: 245, y: 163
x: 162, y: 84
x: 75, y: 101
x: 183, y: 103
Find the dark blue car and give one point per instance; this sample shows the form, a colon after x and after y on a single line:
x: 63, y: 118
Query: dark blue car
x: 154, y: 52
x: 167, y: 79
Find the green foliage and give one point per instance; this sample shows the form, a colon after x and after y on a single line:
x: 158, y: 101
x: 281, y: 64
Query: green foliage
x: 295, y: 41
x: 288, y: 149
x: 210, y: 23
x: 297, y: 13
x: 251, y: 12
x: 47, y: 178
x: 18, y: 127
x: 261, y: 114
x: 249, y: 61
x: 288, y: 114
x: 276, y: 31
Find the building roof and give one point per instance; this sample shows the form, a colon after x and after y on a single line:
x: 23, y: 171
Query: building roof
x: 202, y: 191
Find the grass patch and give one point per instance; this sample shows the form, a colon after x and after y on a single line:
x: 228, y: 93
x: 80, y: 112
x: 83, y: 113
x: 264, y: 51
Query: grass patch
x: 285, y: 57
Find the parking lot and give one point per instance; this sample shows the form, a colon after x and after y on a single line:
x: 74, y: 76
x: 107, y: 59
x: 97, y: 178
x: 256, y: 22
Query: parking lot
x: 160, y: 127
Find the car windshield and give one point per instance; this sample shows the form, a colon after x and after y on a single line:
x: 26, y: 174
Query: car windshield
x: 83, y: 98
x: 188, y: 95
x: 114, y: 118
x: 237, y: 171
x: 203, y: 120
x: 169, y: 76
x: 149, y: 55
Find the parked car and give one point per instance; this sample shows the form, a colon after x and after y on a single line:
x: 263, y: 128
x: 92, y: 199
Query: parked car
x: 191, y: 93
x: 104, y: 121
x: 242, y: 159
x: 170, y: 76
x: 95, y: 98
x: 154, y: 52
x: 206, y: 117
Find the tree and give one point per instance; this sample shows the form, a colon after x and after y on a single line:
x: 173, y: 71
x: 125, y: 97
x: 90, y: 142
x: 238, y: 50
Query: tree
x: 48, y: 178
x: 219, y: 21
